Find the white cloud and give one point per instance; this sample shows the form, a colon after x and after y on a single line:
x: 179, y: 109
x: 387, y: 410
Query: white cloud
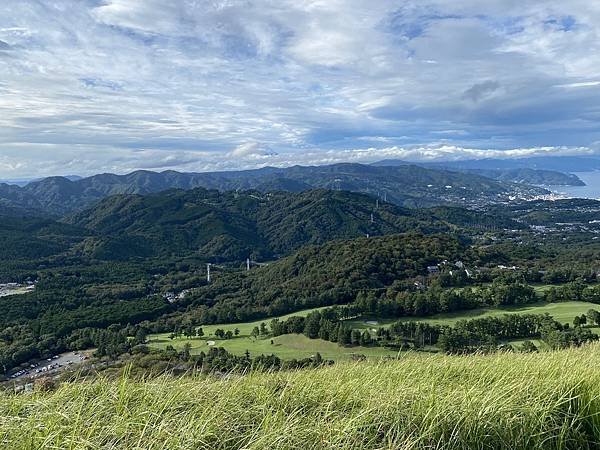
x: 46, y: 160
x: 580, y: 84
x: 252, y: 150
x: 89, y: 85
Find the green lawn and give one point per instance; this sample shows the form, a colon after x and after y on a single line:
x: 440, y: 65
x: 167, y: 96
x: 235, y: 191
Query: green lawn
x: 286, y: 347
x: 563, y: 312
x: 299, y: 346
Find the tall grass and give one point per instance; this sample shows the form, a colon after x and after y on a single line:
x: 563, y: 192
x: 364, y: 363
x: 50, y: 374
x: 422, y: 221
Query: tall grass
x: 504, y: 401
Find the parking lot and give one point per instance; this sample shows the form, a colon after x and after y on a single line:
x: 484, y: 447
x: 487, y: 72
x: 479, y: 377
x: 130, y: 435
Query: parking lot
x: 50, y: 366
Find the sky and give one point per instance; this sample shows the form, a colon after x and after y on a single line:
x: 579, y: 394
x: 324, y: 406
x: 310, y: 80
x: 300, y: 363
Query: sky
x: 89, y: 86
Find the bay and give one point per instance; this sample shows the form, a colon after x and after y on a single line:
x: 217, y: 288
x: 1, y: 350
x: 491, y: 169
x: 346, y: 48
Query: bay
x: 590, y: 190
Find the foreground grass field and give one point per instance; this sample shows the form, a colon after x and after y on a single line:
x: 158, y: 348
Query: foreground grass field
x: 504, y: 401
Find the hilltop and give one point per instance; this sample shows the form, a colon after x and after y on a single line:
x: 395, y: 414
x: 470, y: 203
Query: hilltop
x: 503, y: 401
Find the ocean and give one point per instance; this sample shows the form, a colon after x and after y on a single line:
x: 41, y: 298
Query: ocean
x: 591, y: 190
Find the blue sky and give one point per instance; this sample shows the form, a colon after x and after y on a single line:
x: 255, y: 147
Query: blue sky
x: 91, y: 86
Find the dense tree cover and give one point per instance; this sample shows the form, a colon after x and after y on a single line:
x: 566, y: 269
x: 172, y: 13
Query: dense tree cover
x: 435, y: 300
x: 231, y: 226
x: 69, y: 299
x: 569, y: 337
x: 317, y: 276
x: 138, y: 249
x: 92, y: 294
x: 573, y: 291
x: 27, y: 238
x: 19, y: 344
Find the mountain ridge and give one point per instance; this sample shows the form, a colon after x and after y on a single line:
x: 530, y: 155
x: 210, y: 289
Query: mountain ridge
x: 517, y: 174
x: 412, y: 186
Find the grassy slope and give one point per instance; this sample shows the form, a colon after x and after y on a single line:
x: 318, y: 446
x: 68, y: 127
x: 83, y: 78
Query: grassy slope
x: 504, y: 401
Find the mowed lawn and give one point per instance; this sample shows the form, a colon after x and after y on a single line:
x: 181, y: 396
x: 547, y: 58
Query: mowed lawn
x: 563, y: 312
x: 299, y: 346
x: 286, y: 347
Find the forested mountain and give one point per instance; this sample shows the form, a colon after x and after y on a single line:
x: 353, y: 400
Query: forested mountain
x: 230, y: 226
x: 487, y: 169
x: 133, y: 258
x: 321, y: 275
x: 227, y: 226
x: 403, y: 185
x: 32, y: 238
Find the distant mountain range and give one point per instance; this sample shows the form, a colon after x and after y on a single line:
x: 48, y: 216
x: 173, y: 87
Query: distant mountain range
x: 404, y: 185
x: 516, y: 171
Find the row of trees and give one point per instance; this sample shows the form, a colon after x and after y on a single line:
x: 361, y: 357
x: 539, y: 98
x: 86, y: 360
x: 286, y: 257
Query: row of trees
x: 573, y: 291
x: 325, y: 324
x: 484, y: 334
x: 435, y: 300
x: 144, y: 361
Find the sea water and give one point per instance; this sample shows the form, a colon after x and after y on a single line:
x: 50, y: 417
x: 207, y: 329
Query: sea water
x: 590, y: 190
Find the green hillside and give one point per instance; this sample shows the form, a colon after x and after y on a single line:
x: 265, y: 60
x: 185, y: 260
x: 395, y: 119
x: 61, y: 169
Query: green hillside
x: 232, y: 226
x: 31, y: 238
x: 319, y: 275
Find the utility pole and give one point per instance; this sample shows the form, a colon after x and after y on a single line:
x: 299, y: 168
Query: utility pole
x: 208, y: 273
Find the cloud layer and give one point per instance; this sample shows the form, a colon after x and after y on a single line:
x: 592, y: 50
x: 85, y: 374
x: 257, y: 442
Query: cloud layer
x: 90, y: 86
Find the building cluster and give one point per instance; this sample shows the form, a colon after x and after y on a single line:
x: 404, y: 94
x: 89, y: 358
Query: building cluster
x: 16, y: 288
x: 172, y: 297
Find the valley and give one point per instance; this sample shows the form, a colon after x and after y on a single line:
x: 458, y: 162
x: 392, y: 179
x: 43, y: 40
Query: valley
x: 298, y: 280
x: 314, y: 225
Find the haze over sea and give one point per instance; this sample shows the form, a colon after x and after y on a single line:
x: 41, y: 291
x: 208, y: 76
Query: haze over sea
x: 590, y: 190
